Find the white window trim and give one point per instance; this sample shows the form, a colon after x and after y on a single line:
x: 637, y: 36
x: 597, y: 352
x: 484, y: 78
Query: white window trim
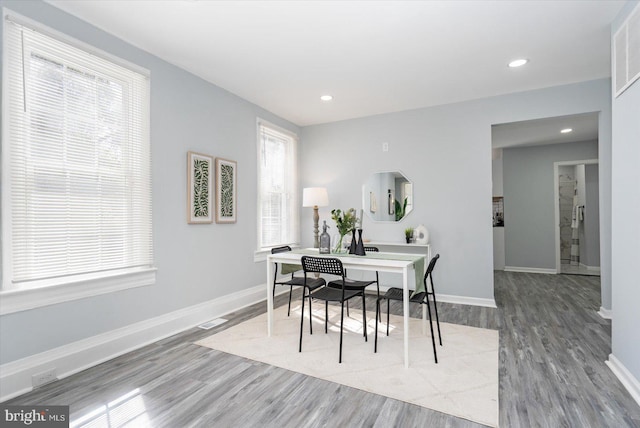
x: 15, y: 300
x: 260, y: 255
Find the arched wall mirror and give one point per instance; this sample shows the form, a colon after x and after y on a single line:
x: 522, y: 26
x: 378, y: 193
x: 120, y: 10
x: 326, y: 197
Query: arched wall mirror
x: 387, y: 196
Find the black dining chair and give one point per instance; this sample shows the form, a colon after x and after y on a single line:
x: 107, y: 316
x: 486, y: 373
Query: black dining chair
x: 330, y: 266
x: 294, y: 281
x: 422, y: 298
x: 367, y: 249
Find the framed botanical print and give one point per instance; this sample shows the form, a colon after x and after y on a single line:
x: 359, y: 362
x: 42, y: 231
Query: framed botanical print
x: 226, y: 191
x: 199, y: 188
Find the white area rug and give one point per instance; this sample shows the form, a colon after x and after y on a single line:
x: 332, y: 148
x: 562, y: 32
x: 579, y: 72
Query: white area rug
x: 464, y: 383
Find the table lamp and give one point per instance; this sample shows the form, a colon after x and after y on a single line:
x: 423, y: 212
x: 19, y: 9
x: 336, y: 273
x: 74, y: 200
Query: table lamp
x: 315, y: 197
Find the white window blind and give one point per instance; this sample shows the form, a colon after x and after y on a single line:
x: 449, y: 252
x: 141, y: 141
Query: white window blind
x: 277, y: 199
x: 76, y: 163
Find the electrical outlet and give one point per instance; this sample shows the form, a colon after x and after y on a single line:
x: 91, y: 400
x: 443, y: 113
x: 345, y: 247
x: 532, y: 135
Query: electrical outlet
x: 385, y: 147
x: 43, y: 377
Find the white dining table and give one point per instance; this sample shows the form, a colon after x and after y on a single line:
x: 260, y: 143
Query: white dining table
x: 403, y: 264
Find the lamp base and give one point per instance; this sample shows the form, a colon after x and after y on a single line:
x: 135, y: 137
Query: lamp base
x: 316, y: 218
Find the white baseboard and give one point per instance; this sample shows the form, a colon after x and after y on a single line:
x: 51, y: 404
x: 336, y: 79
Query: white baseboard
x: 590, y: 268
x: 605, y: 313
x: 463, y: 300
x: 15, y: 376
x: 529, y: 270
x: 628, y: 380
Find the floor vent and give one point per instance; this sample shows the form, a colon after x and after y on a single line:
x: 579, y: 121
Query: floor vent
x: 210, y: 324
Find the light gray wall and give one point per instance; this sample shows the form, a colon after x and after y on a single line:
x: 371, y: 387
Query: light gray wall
x: 446, y: 151
x: 196, y: 263
x: 582, y: 188
x: 529, y: 203
x: 498, y: 232
x: 582, y: 200
x: 592, y: 216
x: 496, y: 172
x: 625, y: 214
x: 498, y: 248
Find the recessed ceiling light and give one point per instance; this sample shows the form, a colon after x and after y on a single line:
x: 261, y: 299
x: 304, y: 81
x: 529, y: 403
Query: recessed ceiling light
x: 566, y: 130
x: 518, y: 63
x: 326, y: 97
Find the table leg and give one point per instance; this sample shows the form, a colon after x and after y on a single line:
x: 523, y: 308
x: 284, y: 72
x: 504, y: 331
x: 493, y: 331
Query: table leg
x: 269, y: 297
x: 405, y: 306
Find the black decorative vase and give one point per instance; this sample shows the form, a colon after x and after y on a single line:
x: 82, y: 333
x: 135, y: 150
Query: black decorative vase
x: 360, y: 246
x: 352, y: 247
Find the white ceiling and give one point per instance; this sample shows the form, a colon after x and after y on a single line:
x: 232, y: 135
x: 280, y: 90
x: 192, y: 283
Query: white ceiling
x: 545, y: 131
x: 373, y: 56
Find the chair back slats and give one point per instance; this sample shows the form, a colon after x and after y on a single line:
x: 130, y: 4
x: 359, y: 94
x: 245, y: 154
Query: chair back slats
x: 327, y: 265
x: 432, y: 263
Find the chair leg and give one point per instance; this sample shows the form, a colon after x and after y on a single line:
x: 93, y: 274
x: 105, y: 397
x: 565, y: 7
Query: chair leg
x: 433, y: 339
x: 290, y: 294
x: 364, y: 317
x: 435, y: 308
x: 301, y: 321
x: 348, y: 309
x: 310, y: 313
x: 378, y: 285
x: 387, y: 317
x: 375, y: 346
x: 326, y: 316
x: 341, y: 324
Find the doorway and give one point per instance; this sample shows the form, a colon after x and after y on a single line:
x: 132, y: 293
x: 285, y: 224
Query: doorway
x: 522, y: 166
x: 577, y: 217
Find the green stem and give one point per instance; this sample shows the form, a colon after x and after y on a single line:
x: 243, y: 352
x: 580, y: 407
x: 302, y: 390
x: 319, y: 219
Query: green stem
x: 338, y: 247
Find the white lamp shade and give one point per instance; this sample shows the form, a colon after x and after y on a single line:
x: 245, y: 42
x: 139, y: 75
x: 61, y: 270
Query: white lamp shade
x: 315, y: 196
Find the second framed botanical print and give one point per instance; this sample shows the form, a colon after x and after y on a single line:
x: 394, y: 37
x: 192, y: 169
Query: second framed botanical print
x: 226, y: 191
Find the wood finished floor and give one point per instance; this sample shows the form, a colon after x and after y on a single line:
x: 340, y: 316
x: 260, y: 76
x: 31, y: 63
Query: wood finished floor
x: 552, y: 373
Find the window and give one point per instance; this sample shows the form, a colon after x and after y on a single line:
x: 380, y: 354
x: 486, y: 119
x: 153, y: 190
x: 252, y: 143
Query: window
x: 76, y: 162
x: 277, y: 184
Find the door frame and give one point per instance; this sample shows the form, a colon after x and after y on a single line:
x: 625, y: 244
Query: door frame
x: 556, y: 199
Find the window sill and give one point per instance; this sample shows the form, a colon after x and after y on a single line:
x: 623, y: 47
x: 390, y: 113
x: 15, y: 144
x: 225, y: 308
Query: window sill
x: 25, y: 299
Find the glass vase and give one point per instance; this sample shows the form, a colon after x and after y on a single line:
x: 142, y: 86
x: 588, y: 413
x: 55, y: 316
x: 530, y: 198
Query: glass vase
x: 338, y: 248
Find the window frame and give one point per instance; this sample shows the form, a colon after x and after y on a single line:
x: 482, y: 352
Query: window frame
x: 294, y: 241
x: 49, y: 292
